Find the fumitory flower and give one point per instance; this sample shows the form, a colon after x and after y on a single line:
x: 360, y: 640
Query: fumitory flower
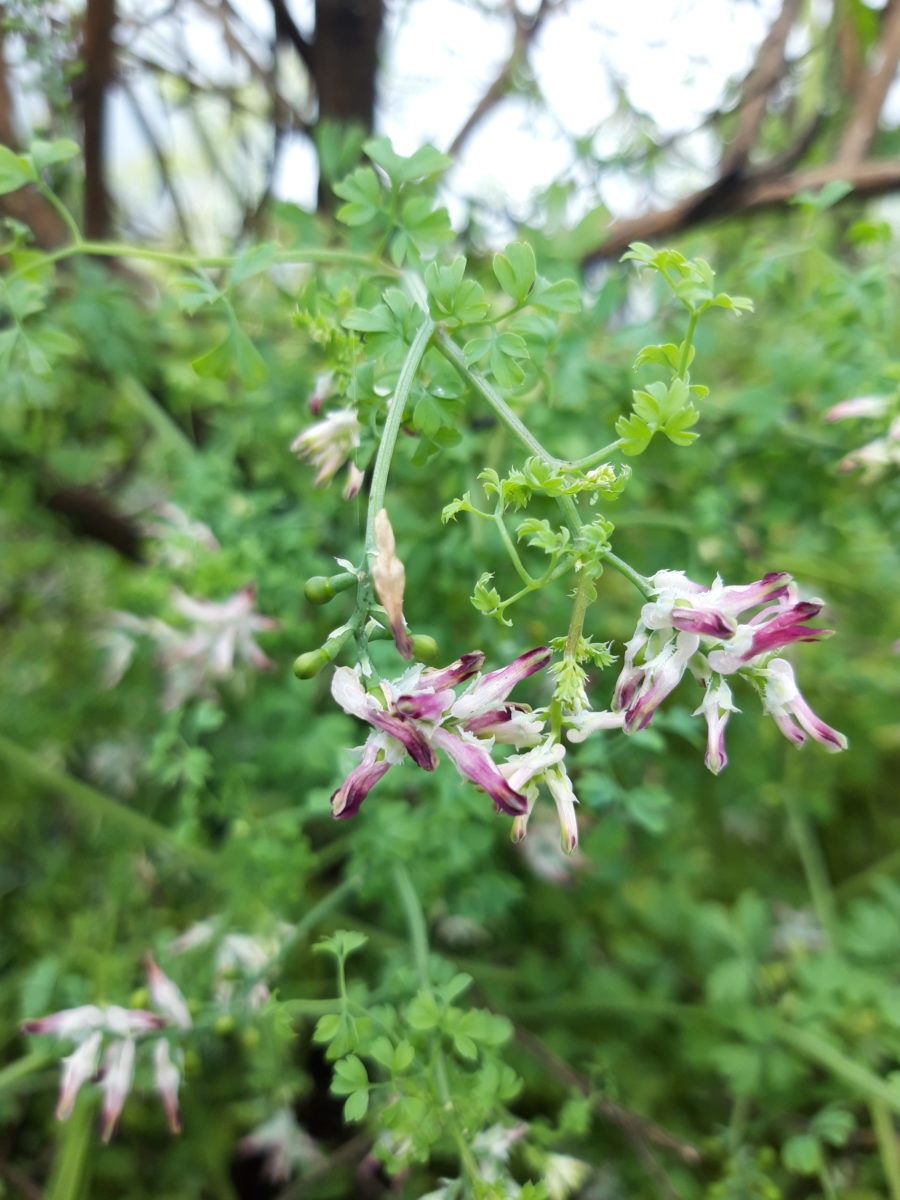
x: 328, y: 444
x: 196, y: 657
x: 879, y: 453
x: 90, y: 1027
x: 420, y: 713
x: 689, y: 627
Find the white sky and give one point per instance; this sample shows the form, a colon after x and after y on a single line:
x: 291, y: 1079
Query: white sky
x: 672, y: 56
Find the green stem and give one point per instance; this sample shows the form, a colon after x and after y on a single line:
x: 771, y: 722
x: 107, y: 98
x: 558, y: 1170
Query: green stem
x: 812, y: 861
x: 382, y: 467
x: 642, y: 584
x: 858, y: 1078
x: 418, y: 937
x: 135, y: 394
x: 14, y: 1072
x: 318, y: 911
x: 451, y: 351
x: 597, y: 456
x: 68, y: 220
x: 584, y: 594
x: 98, y: 805
x: 296, y: 254
x: 886, y: 1136
x: 684, y: 362
x: 511, y: 550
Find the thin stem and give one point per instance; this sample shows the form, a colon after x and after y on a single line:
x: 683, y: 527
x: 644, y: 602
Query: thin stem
x: 98, y: 805
x: 68, y: 220
x: 812, y: 861
x: 584, y: 594
x: 642, y: 584
x: 886, y: 1136
x: 418, y: 937
x: 685, y: 360
x: 450, y: 350
x: 295, y: 254
x: 597, y: 456
x: 382, y: 467
x: 14, y: 1072
x: 511, y: 550
x: 858, y: 1078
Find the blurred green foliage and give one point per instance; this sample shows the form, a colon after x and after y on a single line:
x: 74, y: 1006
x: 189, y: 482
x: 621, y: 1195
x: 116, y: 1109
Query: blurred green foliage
x: 703, y: 1002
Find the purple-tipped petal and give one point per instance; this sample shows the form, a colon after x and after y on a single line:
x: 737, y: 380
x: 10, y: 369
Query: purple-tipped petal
x: 785, y: 702
x: 346, y: 801
x: 78, y: 1067
x: 425, y: 706
x: 663, y: 674
x: 474, y: 762
x: 68, y: 1022
x: 118, y: 1068
x: 464, y: 668
x: 413, y: 740
x: 166, y: 1078
x: 494, y: 687
x: 564, y: 796
x: 708, y: 624
x: 716, y: 707
x: 772, y: 586
x: 787, y: 627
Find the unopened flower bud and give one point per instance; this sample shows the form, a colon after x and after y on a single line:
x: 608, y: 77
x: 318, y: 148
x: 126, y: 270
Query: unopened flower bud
x: 308, y: 665
x: 389, y: 580
x: 425, y: 648
x: 320, y: 589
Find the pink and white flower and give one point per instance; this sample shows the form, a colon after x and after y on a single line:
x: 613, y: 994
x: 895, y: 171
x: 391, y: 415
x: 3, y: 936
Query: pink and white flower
x: 329, y: 444
x: 687, y: 627
x: 420, y: 713
x: 91, y: 1027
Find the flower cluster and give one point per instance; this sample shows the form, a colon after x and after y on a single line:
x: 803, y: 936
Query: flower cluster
x: 328, y: 444
x: 195, y: 658
x: 689, y: 627
x: 420, y: 713
x: 109, y: 1034
x: 878, y: 455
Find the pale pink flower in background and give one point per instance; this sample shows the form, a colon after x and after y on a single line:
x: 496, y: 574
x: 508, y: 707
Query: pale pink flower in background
x: 179, y: 535
x: 420, y: 713
x: 284, y: 1145
x: 241, y: 961
x: 118, y: 1072
x: 165, y: 995
x: 859, y: 406
x: 329, y: 443
x: 167, y: 1078
x: 322, y: 389
x: 882, y: 452
x: 91, y: 1027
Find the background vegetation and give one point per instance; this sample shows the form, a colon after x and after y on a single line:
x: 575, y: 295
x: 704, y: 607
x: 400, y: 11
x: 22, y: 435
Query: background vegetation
x: 703, y: 1001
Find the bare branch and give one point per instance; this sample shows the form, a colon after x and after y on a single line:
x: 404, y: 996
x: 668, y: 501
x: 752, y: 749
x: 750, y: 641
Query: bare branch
x: 286, y: 30
x: 764, y: 75
x: 98, y: 55
x: 744, y: 195
x: 25, y: 205
x: 524, y: 30
x: 873, y: 88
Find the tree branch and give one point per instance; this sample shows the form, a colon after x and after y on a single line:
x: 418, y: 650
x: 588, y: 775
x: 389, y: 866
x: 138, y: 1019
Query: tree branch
x: 26, y: 204
x: 873, y: 88
x: 744, y: 195
x: 98, y: 55
x: 524, y: 30
x: 767, y: 70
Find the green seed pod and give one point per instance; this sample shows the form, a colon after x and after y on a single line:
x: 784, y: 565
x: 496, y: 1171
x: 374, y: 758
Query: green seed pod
x: 318, y: 590
x: 310, y: 664
x: 425, y: 648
